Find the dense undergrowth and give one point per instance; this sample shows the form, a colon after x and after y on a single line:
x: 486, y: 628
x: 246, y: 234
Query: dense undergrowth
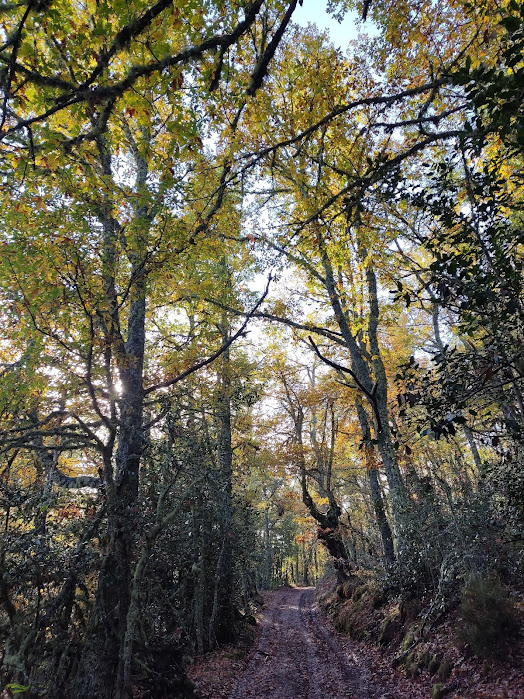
x: 477, y: 636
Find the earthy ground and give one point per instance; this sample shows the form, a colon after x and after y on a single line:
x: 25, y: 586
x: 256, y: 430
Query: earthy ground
x: 297, y: 654
x: 297, y: 657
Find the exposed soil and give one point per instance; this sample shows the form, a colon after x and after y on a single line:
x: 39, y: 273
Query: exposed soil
x: 297, y: 654
x: 297, y: 657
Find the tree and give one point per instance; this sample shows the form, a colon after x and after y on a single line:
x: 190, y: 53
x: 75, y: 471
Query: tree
x: 339, y: 166
x: 146, y: 174
x: 103, y: 147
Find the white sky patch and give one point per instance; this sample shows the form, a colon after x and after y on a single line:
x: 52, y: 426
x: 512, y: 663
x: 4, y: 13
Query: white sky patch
x: 341, y: 33
x: 314, y: 12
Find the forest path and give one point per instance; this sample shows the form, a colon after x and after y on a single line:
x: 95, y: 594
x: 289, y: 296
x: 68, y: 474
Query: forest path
x: 298, y: 657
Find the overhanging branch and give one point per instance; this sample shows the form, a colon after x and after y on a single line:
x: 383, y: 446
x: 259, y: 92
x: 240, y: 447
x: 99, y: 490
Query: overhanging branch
x: 215, y: 355
x: 370, y: 395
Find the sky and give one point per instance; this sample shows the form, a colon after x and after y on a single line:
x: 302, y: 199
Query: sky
x: 314, y: 11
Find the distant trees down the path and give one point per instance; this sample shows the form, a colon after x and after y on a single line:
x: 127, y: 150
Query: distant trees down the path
x: 261, y: 311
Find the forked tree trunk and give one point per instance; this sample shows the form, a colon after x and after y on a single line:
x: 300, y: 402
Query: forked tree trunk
x: 100, y: 663
x: 100, y: 666
x: 329, y: 531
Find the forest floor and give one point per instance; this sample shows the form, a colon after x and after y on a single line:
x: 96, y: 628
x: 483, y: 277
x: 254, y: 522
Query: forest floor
x: 297, y: 654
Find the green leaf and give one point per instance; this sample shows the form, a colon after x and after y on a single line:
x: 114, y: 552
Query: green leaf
x: 17, y: 688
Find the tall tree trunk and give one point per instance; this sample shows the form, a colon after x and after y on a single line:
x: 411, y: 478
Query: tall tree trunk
x: 305, y: 562
x: 374, y: 485
x: 268, y: 552
x: 474, y: 450
x: 383, y: 431
x: 371, y: 377
x: 221, y: 620
x: 100, y: 666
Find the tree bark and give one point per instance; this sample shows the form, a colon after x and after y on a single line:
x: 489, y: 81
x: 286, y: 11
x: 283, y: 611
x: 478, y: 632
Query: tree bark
x: 374, y: 485
x: 372, y: 378
x: 221, y: 620
x: 100, y: 663
x: 329, y: 530
x: 99, y: 666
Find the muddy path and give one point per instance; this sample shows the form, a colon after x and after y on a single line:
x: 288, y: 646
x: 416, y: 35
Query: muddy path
x: 298, y: 657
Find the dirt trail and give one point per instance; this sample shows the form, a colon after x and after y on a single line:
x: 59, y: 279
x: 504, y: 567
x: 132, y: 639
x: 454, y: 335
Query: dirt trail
x: 298, y: 657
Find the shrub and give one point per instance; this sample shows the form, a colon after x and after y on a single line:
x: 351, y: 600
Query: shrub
x: 487, y: 616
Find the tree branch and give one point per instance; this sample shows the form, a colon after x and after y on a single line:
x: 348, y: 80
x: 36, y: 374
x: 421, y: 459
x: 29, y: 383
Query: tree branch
x: 215, y: 355
x: 370, y: 395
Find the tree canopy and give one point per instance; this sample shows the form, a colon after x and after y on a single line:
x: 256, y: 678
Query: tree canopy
x: 256, y: 294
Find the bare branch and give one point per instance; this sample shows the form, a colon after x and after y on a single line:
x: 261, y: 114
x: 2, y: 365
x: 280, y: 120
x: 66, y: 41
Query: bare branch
x: 370, y: 395
x: 215, y: 355
x: 261, y: 68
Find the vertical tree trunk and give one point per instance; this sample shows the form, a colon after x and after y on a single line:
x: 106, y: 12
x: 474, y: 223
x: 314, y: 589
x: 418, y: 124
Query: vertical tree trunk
x: 383, y: 432
x: 199, y: 589
x: 100, y: 665
x: 374, y: 485
x: 379, y: 508
x: 474, y: 449
x: 371, y: 376
x: 305, y: 561
x: 221, y: 620
x: 268, y: 552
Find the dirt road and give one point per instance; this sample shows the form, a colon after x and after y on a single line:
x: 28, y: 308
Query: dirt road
x: 297, y: 657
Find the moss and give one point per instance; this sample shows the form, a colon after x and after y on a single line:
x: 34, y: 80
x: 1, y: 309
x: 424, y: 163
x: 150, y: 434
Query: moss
x: 408, y: 640
x: 347, y: 620
x: 434, y: 663
x: 330, y: 603
x: 388, y: 627
x: 410, y: 609
x: 424, y: 658
x: 411, y: 671
x: 361, y: 592
x: 353, y: 616
x: 444, y: 670
x: 411, y: 665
